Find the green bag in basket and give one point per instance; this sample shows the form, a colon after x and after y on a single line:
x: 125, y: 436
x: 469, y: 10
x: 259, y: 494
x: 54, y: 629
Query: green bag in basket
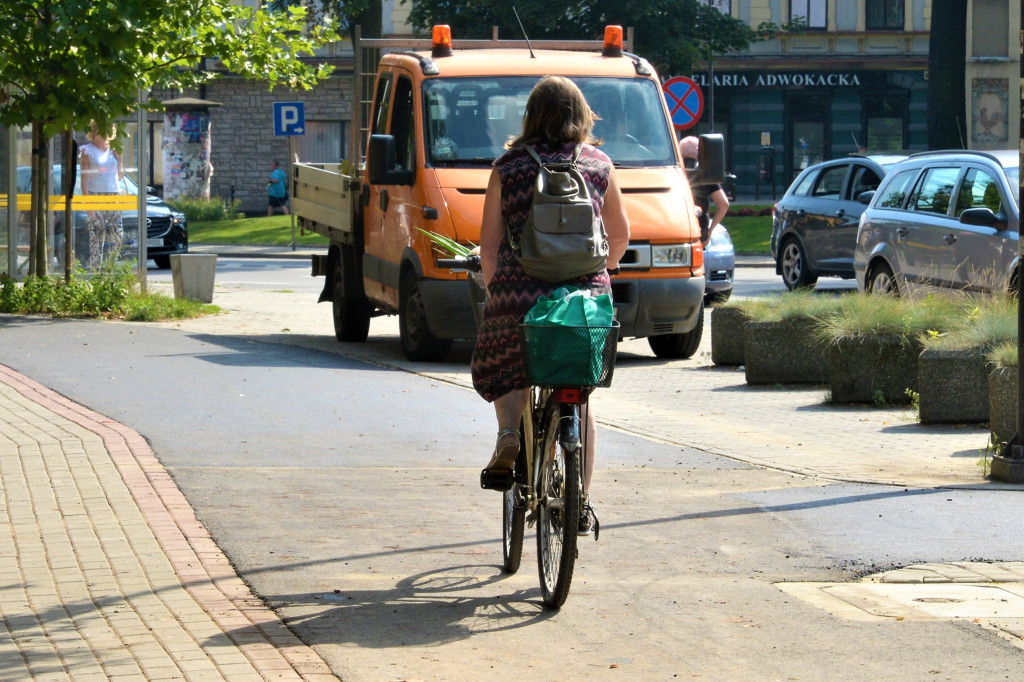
x: 565, y: 335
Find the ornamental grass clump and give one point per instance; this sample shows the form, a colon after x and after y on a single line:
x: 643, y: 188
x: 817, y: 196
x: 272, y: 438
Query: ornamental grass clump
x: 792, y: 305
x: 869, y: 315
x: 988, y: 322
x: 1003, y: 355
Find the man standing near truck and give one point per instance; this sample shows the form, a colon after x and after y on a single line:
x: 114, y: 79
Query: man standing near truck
x: 277, y: 189
x: 703, y: 195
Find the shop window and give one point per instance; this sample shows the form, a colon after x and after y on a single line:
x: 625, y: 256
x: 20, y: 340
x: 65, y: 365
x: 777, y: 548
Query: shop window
x: 323, y: 142
x: 814, y: 12
x: 989, y: 37
x: 884, y: 14
x: 885, y: 119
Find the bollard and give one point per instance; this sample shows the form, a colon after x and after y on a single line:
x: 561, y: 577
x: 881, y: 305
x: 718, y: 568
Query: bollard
x: 193, y: 275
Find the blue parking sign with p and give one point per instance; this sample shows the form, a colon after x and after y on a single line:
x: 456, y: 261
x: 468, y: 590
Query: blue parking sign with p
x: 289, y: 118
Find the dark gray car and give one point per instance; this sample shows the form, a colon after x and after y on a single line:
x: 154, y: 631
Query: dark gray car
x: 946, y: 219
x: 814, y: 225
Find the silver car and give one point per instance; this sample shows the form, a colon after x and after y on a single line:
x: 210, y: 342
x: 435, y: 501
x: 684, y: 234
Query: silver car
x: 719, y: 266
x: 944, y: 219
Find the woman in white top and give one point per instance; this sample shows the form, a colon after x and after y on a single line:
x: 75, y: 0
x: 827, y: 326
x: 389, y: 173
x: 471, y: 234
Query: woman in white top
x: 101, y: 173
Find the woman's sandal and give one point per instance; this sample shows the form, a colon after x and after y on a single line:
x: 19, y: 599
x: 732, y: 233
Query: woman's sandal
x: 497, y: 475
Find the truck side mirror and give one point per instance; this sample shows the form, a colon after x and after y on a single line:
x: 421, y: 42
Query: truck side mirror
x: 710, y: 160
x: 380, y: 163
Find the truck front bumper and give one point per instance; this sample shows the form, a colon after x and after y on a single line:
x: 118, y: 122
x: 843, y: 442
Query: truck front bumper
x: 650, y: 307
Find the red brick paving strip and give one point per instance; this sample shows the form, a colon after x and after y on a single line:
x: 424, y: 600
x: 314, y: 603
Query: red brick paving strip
x: 203, y: 569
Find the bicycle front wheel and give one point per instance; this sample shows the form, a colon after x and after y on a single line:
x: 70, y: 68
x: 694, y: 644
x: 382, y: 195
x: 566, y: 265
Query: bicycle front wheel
x: 559, y: 504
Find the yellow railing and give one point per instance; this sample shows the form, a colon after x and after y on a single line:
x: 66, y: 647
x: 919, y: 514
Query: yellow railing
x: 99, y: 202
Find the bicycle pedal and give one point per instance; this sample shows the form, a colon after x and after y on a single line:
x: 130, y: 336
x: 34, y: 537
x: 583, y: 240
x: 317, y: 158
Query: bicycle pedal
x: 496, y: 480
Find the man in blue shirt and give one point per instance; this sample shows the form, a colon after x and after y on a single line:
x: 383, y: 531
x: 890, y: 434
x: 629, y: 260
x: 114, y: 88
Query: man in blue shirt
x: 277, y: 189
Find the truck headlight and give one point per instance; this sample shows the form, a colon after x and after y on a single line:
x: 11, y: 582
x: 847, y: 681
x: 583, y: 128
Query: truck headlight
x: 671, y: 255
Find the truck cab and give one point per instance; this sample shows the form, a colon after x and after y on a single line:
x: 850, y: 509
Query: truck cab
x: 437, y: 120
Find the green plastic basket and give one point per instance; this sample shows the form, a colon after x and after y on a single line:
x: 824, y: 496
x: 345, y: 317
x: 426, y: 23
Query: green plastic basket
x: 569, y: 357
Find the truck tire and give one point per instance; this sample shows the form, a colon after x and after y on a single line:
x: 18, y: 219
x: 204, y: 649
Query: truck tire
x: 351, y: 313
x: 678, y: 346
x: 418, y: 343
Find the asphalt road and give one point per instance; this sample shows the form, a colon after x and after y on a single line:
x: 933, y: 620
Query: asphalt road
x: 345, y: 494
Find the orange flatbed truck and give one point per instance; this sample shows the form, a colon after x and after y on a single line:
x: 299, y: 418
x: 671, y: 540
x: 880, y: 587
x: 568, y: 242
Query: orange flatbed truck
x: 432, y: 118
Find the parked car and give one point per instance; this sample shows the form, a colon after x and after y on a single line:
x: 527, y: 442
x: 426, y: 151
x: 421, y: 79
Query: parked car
x: 814, y: 225
x: 944, y: 219
x: 166, y: 229
x: 719, y: 266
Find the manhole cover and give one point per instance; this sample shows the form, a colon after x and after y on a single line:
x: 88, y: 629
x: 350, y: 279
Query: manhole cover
x: 938, y: 600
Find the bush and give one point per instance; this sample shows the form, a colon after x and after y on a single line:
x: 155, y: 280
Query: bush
x: 991, y: 322
x: 791, y: 305
x: 206, y: 210
x: 111, y: 293
x: 864, y: 315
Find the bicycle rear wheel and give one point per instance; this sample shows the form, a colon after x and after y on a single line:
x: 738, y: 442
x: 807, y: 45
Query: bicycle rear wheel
x: 558, y: 503
x: 513, y: 518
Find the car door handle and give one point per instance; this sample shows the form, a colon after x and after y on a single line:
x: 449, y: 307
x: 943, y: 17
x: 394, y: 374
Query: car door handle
x: 949, y: 238
x: 841, y: 213
x: 901, y: 232
x: 801, y: 213
x: 383, y: 201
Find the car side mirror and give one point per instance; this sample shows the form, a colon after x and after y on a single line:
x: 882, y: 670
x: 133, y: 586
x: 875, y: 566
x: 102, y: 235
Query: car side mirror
x: 380, y: 163
x: 982, y: 216
x: 866, y: 197
x: 710, y: 168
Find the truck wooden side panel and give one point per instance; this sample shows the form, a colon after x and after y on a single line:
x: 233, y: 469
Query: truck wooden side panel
x: 323, y: 200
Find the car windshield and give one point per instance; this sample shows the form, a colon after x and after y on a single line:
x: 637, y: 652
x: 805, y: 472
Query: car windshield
x: 469, y: 120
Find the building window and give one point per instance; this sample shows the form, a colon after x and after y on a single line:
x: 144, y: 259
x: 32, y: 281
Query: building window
x: 814, y: 12
x: 323, y: 142
x: 884, y: 14
x: 723, y: 6
x: 989, y: 36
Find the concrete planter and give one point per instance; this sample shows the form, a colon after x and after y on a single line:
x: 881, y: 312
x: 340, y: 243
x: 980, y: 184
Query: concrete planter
x: 871, y: 368
x: 953, y: 386
x: 1002, y: 395
x: 785, y: 352
x: 192, y: 275
x: 727, y: 335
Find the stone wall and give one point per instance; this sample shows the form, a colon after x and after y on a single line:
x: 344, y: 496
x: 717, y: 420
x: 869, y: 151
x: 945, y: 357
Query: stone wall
x: 242, y: 130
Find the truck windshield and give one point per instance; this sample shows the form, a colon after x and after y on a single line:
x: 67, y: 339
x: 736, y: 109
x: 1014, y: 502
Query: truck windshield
x: 469, y: 120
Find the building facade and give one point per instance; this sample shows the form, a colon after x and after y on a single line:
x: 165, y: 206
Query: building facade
x: 856, y: 79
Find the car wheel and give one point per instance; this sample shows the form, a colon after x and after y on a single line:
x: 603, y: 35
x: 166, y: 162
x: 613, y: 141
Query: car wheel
x: 881, y: 280
x: 793, y: 262
x: 351, y: 312
x: 162, y: 262
x: 678, y: 346
x: 418, y: 343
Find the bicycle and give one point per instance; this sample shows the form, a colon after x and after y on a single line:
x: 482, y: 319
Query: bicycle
x: 547, y: 489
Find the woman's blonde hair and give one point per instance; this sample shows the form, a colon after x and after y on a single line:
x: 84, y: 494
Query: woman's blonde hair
x: 556, y: 112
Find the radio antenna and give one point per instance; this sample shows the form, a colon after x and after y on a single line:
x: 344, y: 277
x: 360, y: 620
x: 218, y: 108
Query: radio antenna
x: 528, y: 45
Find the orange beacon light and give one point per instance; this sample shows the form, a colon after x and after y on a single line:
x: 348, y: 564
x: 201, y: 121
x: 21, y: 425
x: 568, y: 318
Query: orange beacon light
x: 612, y: 41
x: 442, y: 41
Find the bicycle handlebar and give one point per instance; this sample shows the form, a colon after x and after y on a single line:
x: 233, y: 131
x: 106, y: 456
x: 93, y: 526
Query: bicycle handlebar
x: 470, y: 263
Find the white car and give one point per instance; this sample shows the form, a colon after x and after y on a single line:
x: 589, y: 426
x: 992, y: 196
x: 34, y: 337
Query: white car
x: 719, y: 266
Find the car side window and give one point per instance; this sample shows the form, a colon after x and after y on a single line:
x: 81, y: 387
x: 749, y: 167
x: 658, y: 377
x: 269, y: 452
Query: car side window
x: 806, y: 183
x: 830, y: 182
x: 895, y: 191
x: 978, y: 190
x: 864, y: 180
x: 934, y: 191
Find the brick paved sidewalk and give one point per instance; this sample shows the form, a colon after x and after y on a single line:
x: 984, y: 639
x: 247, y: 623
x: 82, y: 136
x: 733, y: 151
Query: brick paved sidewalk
x: 107, y: 574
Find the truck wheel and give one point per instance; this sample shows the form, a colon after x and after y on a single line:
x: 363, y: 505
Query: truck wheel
x: 678, y: 346
x: 351, y: 313
x: 417, y: 342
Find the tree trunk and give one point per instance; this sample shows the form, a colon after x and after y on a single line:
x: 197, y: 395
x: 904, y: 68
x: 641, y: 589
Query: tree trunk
x: 40, y: 202
x: 947, y: 56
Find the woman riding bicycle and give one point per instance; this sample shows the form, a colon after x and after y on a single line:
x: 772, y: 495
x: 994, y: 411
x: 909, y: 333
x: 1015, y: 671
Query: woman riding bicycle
x: 557, y: 119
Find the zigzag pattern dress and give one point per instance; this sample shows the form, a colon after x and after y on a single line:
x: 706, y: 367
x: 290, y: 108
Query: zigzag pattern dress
x: 497, y: 366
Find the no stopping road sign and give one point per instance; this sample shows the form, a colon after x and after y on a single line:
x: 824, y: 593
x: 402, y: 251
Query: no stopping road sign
x: 685, y: 101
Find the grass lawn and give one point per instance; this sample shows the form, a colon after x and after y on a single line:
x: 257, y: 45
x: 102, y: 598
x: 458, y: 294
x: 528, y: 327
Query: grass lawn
x: 749, y: 234
x: 275, y: 231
